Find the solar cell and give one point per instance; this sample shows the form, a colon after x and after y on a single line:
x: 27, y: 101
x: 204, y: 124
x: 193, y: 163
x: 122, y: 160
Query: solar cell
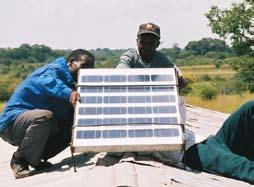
x: 92, y: 78
x: 115, y: 78
x: 165, y: 78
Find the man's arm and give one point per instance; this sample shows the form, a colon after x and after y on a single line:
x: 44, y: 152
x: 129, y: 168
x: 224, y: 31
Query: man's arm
x: 127, y: 59
x: 181, y: 81
x: 51, y: 83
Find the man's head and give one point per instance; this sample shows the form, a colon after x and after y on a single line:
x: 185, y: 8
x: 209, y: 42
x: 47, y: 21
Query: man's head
x: 79, y: 59
x: 148, y: 39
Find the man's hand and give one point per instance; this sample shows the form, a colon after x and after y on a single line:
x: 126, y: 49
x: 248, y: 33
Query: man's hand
x: 182, y: 82
x: 74, y: 97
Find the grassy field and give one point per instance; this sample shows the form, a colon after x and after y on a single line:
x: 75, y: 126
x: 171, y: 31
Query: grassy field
x: 1, y: 106
x: 223, y: 103
x: 224, y: 71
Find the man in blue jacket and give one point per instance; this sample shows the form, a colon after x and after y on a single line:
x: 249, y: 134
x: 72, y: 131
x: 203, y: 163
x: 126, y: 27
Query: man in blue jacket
x: 38, y: 117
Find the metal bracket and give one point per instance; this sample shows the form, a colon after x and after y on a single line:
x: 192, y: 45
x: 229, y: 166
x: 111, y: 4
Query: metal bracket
x: 73, y: 158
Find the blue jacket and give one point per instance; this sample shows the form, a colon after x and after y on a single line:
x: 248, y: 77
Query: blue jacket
x: 48, y: 87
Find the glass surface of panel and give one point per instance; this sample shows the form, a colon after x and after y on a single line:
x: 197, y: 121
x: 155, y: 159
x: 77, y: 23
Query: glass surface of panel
x: 162, y: 89
x: 79, y: 135
x: 140, y: 133
x: 166, y: 132
x: 114, y: 110
x: 161, y: 78
x: 92, y: 78
x: 115, y: 99
x: 114, y: 121
x: 160, y: 98
x: 91, y: 99
x: 145, y: 121
x: 164, y: 109
x: 90, y: 111
x: 139, y: 110
x: 114, y: 133
x: 115, y: 78
x: 114, y: 89
x: 90, y: 134
x: 139, y: 99
x: 165, y: 120
x: 172, y: 98
x: 91, y: 89
x: 89, y: 122
x: 139, y: 89
x: 138, y: 78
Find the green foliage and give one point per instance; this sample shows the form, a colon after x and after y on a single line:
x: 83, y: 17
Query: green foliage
x: 5, y: 92
x: 205, y: 91
x: 29, y: 54
x: 172, y: 52
x: 195, y: 60
x: 206, y: 45
x: 4, y: 69
x: 245, y: 71
x: 218, y: 55
x: 234, y: 23
x: 107, y: 58
x: 205, y: 77
x: 17, y: 63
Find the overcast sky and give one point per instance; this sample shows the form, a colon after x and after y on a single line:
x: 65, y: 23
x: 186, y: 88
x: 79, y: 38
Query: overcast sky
x: 91, y: 24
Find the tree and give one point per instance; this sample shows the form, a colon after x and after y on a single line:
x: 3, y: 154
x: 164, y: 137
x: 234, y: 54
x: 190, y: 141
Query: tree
x: 41, y: 52
x: 234, y: 23
x: 244, y: 66
x: 205, y: 45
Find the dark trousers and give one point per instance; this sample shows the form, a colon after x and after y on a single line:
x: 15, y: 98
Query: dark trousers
x: 38, y: 135
x: 231, y: 151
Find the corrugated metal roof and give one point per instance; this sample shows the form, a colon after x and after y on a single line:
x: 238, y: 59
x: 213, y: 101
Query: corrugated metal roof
x: 109, y: 170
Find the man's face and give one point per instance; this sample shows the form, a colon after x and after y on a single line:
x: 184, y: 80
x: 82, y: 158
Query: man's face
x: 147, y: 44
x: 84, y: 62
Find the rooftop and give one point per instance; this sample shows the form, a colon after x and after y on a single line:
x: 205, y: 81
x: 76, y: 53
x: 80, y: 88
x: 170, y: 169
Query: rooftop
x: 119, y: 170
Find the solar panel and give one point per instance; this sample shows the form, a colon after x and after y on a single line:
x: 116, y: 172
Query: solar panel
x: 127, y: 110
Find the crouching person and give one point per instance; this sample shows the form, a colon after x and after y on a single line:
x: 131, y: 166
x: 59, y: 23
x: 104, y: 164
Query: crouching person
x: 38, y: 117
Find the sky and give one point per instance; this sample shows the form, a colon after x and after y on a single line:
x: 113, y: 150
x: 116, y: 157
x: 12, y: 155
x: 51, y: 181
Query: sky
x: 92, y: 24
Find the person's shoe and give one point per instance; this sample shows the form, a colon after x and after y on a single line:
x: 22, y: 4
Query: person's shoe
x: 43, y: 165
x: 19, y: 167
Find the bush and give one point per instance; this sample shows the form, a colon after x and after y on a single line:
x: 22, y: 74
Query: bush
x: 205, y: 90
x: 244, y: 66
x: 4, y: 69
x: 205, y: 77
x: 5, y: 92
x: 208, y: 92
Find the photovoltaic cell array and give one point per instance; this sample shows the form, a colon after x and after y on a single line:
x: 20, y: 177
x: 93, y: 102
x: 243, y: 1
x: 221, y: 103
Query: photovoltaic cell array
x: 124, y: 107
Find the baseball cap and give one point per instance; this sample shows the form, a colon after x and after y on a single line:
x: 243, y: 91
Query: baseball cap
x: 149, y: 28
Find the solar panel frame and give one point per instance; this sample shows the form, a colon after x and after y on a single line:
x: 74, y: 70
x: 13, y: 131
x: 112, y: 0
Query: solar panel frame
x: 121, y: 91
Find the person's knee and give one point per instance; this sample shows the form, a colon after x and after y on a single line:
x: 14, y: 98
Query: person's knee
x: 46, y: 114
x: 36, y: 115
x: 46, y: 119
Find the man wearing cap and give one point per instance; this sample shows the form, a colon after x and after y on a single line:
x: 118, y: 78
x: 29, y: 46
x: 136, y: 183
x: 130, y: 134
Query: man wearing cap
x: 146, y: 55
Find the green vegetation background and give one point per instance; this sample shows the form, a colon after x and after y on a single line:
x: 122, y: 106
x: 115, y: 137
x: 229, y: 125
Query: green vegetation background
x: 209, y: 65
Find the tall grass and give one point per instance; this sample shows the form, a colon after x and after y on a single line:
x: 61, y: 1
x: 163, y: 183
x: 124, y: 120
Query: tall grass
x: 222, y: 103
x: 1, y: 106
